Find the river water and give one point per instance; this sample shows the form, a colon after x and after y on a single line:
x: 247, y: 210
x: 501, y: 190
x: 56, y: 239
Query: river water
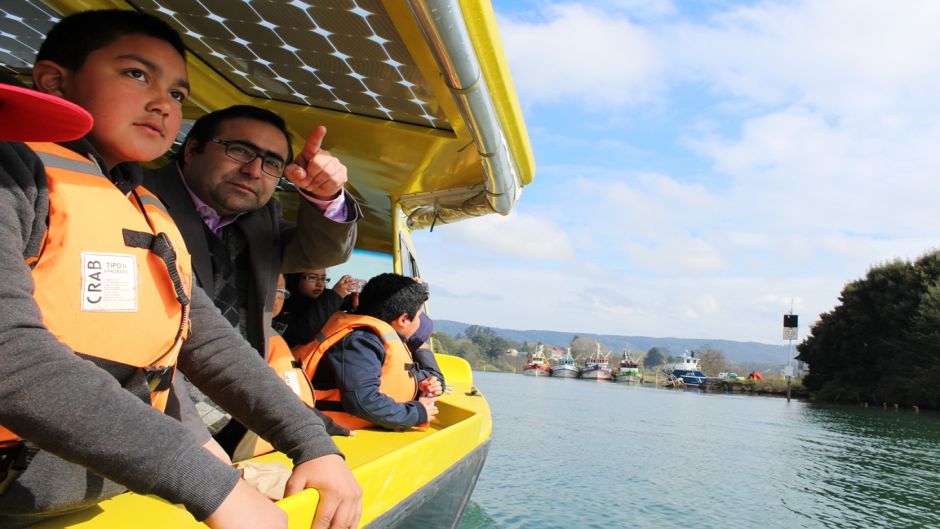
x: 583, y: 454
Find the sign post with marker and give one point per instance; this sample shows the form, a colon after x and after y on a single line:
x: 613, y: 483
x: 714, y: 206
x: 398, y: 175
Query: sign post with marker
x: 789, y: 334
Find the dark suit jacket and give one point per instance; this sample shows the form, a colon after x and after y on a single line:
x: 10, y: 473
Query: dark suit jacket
x: 273, y: 244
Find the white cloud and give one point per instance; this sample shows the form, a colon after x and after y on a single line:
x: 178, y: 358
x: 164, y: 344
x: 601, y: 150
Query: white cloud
x: 516, y: 235
x: 651, y: 205
x: 702, y: 306
x: 847, y: 143
x: 677, y: 255
x: 835, y: 54
x: 523, y: 295
x: 650, y: 222
x: 580, y: 55
x: 793, y: 170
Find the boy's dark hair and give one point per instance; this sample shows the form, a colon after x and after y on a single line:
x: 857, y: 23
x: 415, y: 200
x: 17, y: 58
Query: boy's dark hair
x: 388, y: 296
x: 70, y: 41
x: 206, y: 127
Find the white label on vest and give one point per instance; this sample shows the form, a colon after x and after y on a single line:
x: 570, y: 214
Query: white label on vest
x: 109, y: 282
x: 291, y: 379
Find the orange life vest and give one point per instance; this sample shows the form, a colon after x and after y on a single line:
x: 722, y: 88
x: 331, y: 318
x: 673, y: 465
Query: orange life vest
x: 396, y: 381
x: 282, y: 362
x: 113, y: 278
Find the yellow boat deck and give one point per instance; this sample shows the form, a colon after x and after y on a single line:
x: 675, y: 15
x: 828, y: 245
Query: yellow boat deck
x: 391, y: 467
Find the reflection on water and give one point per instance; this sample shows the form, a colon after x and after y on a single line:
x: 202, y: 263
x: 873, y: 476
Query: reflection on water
x: 574, y: 453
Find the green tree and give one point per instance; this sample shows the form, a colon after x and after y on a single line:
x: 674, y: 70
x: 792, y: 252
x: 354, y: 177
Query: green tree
x: 879, y: 339
x: 915, y: 375
x: 486, y: 339
x: 443, y: 343
x: 654, y: 358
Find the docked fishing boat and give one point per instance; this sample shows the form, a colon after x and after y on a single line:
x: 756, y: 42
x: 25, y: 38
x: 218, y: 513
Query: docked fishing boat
x: 537, y: 364
x: 628, y: 371
x: 419, y: 105
x: 597, y: 366
x: 564, y: 366
x: 689, y: 372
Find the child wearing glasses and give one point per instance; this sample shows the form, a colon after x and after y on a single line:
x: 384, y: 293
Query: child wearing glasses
x: 312, y: 302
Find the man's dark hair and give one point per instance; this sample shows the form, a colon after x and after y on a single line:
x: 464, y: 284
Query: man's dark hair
x: 206, y: 127
x: 388, y: 296
x: 70, y: 41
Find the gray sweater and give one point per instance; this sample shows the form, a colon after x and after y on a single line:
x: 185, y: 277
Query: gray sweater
x: 73, y: 411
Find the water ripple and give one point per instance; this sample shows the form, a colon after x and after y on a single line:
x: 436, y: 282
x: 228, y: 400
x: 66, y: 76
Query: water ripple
x: 579, y: 454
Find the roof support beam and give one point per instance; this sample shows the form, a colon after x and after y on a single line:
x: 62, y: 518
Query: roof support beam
x: 442, y: 24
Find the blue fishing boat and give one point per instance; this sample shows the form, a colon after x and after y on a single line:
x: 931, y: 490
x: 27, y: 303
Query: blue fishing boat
x: 689, y: 371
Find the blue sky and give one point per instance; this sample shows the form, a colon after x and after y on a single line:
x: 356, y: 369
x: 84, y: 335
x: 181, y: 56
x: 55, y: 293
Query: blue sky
x: 702, y: 165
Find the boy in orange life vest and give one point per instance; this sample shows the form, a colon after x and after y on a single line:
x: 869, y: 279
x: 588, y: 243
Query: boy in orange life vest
x: 101, y: 298
x: 281, y: 360
x: 363, y: 374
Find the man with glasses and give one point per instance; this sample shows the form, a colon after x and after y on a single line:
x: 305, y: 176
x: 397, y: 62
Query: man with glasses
x: 219, y: 189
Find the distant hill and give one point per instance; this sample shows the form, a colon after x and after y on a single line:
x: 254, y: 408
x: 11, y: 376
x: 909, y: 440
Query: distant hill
x: 734, y: 351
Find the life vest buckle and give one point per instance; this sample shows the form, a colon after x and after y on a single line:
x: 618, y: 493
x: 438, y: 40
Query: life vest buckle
x: 413, y: 369
x: 159, y: 379
x: 13, y: 461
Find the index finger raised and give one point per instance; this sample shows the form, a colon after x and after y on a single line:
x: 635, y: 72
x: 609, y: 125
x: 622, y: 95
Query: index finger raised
x: 311, y: 146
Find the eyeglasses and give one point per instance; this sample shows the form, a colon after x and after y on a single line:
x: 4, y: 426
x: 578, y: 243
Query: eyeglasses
x: 314, y: 278
x: 242, y: 152
x: 283, y: 292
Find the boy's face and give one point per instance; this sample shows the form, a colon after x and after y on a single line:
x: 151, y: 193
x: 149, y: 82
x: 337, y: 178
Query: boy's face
x: 405, y: 327
x: 134, y: 88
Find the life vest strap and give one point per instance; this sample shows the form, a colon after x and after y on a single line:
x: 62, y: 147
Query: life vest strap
x: 329, y: 405
x: 142, y: 382
x: 160, y: 245
x: 412, y: 369
x: 147, y: 381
